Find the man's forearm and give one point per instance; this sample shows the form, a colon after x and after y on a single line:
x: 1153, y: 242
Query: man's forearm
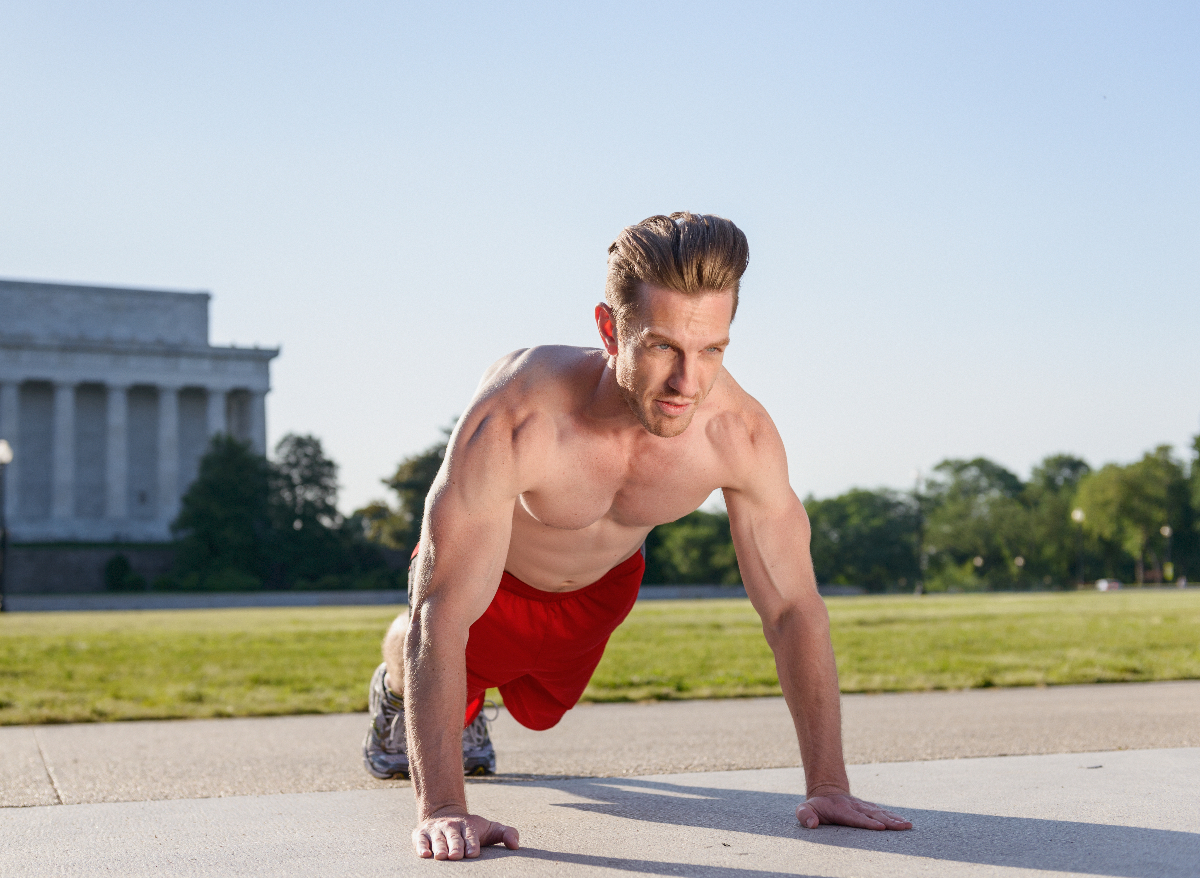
x: 435, y: 688
x: 808, y: 677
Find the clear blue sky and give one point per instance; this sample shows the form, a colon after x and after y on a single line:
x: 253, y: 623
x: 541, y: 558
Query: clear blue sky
x: 974, y: 228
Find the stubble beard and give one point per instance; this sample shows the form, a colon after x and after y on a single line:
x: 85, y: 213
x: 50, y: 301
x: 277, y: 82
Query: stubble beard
x: 641, y: 404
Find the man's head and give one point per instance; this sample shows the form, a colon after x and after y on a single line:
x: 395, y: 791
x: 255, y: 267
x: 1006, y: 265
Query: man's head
x: 685, y: 252
x: 671, y: 296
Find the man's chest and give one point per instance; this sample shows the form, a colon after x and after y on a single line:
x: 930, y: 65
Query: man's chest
x: 585, y: 483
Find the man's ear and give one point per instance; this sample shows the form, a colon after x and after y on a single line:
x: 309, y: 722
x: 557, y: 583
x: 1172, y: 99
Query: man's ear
x: 607, y: 325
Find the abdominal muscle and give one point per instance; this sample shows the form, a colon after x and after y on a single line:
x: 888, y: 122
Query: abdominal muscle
x: 561, y: 560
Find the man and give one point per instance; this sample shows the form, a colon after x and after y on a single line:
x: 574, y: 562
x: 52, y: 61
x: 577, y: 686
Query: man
x: 530, y: 550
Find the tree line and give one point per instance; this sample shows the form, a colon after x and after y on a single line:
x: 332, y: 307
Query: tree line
x: 970, y: 525
x: 974, y: 525
x: 249, y: 523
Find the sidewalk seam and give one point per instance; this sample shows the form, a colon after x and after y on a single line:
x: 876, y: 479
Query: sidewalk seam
x: 46, y: 766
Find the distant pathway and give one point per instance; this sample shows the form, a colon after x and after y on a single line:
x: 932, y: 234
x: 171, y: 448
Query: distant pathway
x: 299, y: 598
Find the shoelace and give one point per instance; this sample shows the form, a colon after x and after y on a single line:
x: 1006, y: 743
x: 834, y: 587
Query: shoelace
x: 394, y: 715
x: 476, y: 735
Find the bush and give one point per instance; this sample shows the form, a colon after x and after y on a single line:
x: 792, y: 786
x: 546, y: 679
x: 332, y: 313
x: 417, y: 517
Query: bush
x: 119, y: 576
x: 225, y: 580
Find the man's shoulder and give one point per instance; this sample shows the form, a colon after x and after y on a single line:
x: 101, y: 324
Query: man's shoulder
x: 740, y: 432
x: 524, y: 394
x: 736, y: 417
x: 547, y: 365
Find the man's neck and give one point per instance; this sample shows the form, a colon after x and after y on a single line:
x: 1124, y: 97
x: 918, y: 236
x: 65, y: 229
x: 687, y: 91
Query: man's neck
x: 607, y: 407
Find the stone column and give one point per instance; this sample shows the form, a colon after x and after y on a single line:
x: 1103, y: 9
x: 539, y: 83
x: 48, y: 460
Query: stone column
x: 116, y: 503
x: 216, y: 412
x: 258, y: 421
x: 63, y: 491
x: 168, y: 453
x: 10, y: 415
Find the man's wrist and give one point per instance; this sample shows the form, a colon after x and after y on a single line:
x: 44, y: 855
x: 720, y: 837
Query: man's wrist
x: 828, y: 789
x: 447, y: 810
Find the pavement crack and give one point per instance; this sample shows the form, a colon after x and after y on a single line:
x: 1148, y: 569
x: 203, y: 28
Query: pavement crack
x: 46, y: 766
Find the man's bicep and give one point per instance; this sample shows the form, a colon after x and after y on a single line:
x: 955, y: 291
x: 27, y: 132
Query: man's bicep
x: 468, y: 522
x: 772, y: 545
x: 770, y: 529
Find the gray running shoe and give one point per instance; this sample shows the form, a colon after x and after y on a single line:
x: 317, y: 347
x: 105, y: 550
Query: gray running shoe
x: 385, y: 749
x: 479, y: 757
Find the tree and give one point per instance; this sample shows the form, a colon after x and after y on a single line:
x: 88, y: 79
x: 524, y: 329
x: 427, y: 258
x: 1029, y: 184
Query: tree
x: 312, y: 544
x: 305, y: 483
x: 978, y: 526
x: 1128, y: 506
x: 246, y: 523
x: 865, y: 538
x: 224, y: 523
x: 1194, y: 474
x: 1055, y: 549
x: 697, y: 549
x: 400, y: 527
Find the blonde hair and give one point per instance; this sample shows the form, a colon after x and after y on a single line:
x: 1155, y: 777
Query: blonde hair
x: 685, y: 252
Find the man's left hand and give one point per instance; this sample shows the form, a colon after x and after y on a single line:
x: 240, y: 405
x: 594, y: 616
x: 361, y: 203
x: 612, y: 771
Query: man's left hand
x: 841, y: 808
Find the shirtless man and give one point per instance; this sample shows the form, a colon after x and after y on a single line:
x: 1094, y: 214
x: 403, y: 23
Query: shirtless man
x: 530, y: 551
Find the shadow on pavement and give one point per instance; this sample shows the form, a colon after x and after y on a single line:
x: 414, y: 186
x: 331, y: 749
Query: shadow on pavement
x: 652, y: 868
x: 1017, y: 843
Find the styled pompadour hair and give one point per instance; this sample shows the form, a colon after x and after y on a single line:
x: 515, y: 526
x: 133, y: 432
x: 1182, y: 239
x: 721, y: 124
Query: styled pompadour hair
x: 686, y: 252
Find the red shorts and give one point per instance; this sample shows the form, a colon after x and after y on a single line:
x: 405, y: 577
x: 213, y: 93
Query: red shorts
x: 540, y: 648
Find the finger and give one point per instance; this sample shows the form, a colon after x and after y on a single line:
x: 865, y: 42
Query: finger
x: 456, y: 847
x: 893, y: 821
x: 807, y: 816
x: 849, y: 813
x: 890, y: 820
x: 501, y: 833
x: 855, y: 818
x: 472, y: 840
x: 421, y: 844
x: 441, y: 848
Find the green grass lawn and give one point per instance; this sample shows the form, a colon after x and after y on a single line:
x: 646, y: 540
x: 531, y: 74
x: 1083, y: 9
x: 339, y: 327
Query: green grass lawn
x: 62, y: 667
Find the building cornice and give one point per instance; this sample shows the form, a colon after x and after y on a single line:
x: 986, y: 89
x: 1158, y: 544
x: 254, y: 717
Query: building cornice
x: 90, y: 346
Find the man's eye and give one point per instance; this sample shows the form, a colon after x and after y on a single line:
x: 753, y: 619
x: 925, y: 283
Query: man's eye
x: 663, y: 346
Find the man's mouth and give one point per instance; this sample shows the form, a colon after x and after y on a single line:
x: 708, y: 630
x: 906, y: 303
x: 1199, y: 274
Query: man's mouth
x: 673, y: 408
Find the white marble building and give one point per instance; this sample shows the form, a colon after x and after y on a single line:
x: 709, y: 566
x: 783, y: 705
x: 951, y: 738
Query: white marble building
x: 109, y: 397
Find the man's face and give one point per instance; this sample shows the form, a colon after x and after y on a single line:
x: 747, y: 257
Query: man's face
x: 669, y: 355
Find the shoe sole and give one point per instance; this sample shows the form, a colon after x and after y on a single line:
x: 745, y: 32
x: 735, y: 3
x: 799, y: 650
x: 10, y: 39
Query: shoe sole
x: 403, y: 776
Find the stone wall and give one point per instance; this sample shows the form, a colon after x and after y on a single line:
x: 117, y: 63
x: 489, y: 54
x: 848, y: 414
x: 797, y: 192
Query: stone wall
x: 55, y: 569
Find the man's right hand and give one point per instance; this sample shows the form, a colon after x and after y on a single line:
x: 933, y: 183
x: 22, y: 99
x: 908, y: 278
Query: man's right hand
x: 454, y: 837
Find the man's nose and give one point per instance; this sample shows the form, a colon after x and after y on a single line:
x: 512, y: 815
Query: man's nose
x: 684, y: 380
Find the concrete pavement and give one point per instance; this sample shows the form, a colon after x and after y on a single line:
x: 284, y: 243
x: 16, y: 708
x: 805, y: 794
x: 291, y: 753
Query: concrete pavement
x: 691, y: 788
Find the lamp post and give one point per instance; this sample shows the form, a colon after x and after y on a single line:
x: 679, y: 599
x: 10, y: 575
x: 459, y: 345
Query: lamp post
x: 6, y: 456
x: 1077, y: 517
x: 1169, y: 566
x: 919, y: 506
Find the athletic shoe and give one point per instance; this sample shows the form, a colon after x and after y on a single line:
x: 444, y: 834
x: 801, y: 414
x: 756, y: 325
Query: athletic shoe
x: 385, y: 749
x: 479, y: 757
